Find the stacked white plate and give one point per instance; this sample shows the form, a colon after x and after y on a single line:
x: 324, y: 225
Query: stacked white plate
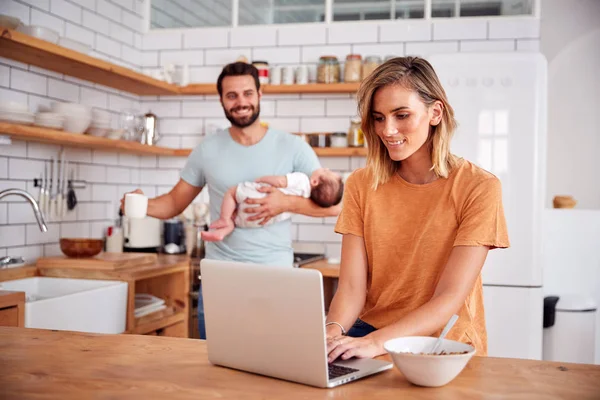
x: 100, y: 125
x: 49, y: 120
x: 15, y: 113
x: 146, y: 304
x: 74, y: 45
x: 40, y: 32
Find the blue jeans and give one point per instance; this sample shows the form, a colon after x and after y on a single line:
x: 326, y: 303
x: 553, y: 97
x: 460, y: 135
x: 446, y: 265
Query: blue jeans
x: 360, y: 329
x: 201, y: 324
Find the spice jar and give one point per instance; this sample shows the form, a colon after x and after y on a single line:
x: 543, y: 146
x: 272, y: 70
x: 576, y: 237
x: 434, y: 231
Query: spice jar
x: 263, y: 71
x: 355, y: 134
x: 328, y: 70
x: 339, y: 139
x: 371, y: 63
x: 319, y: 139
x: 353, y: 68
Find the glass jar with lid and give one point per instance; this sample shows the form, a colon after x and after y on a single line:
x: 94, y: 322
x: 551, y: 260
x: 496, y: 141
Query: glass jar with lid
x: 370, y: 64
x: 355, y: 134
x: 263, y: 71
x: 328, y: 70
x: 339, y: 139
x: 353, y: 68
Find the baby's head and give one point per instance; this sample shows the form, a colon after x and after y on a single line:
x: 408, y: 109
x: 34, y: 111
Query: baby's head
x: 327, y: 188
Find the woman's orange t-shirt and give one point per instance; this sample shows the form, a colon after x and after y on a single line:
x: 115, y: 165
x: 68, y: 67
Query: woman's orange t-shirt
x: 409, y: 231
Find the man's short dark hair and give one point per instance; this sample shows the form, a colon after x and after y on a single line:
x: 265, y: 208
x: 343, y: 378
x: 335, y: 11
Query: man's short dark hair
x: 237, y: 69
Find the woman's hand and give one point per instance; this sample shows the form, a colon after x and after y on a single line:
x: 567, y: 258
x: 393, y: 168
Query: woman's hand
x: 347, y: 347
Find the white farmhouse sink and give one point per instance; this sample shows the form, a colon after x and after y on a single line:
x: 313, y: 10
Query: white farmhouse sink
x: 84, y: 305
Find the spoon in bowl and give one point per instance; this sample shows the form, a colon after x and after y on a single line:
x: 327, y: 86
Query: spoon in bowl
x: 447, y: 328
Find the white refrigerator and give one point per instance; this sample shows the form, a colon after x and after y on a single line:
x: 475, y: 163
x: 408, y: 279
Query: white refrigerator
x: 500, y: 105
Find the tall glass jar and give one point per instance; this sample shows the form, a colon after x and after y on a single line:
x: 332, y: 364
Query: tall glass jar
x: 355, y: 134
x: 328, y: 70
x: 353, y: 68
x: 371, y: 63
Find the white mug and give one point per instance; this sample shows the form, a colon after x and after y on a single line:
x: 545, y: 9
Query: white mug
x: 136, y: 205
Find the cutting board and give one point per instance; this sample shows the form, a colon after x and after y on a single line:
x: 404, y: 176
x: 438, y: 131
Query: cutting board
x: 103, y: 261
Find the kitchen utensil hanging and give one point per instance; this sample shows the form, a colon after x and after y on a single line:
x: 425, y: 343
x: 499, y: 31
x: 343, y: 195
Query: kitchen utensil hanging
x: 71, y: 197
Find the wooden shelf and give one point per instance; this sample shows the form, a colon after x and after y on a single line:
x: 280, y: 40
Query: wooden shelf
x: 340, y: 151
x: 44, y: 135
x: 211, y: 88
x: 27, y: 49
x: 53, y: 136
x: 30, y: 50
x: 157, y: 320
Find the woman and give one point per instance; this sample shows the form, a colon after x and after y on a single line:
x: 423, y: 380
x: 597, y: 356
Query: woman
x: 417, y: 222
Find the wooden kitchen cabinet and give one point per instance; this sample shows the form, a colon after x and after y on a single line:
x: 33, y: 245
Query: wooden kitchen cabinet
x: 167, y: 278
x: 12, y: 308
x: 9, y: 316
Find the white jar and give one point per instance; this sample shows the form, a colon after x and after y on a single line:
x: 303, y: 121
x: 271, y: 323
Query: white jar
x: 339, y: 139
x: 275, y: 77
x: 302, y: 75
x: 287, y: 75
x: 114, y: 241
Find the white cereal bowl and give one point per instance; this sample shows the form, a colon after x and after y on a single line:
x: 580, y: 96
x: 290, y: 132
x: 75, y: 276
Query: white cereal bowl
x: 427, y: 369
x: 76, y: 124
x: 72, y: 109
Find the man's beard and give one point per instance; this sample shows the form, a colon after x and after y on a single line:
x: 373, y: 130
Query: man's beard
x: 246, y: 121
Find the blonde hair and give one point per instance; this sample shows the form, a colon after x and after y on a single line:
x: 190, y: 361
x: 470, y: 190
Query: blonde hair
x: 413, y: 73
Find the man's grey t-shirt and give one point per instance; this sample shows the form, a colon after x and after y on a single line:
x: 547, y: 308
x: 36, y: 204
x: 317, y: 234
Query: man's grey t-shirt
x: 220, y: 162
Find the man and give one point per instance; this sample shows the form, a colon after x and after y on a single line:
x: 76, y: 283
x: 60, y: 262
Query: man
x: 244, y: 152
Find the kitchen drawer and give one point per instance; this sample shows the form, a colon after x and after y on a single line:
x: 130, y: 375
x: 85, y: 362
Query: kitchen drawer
x: 9, y: 316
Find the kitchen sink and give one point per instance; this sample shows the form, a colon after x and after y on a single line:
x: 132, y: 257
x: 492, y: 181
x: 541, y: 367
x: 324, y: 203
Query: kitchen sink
x: 84, y: 305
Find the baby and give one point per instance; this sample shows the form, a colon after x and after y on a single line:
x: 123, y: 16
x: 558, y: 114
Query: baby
x: 324, y: 187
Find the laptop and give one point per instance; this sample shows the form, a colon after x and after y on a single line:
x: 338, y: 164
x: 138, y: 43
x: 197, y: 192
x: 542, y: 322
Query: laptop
x: 269, y: 320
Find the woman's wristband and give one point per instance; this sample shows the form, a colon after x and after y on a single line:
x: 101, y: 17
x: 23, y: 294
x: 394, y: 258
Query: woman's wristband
x: 338, y: 324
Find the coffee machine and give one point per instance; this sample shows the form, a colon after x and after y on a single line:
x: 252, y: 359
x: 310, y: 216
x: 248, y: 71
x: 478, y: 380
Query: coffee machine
x: 141, y: 235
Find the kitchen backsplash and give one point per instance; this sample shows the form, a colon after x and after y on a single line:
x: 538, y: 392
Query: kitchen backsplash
x: 114, y: 29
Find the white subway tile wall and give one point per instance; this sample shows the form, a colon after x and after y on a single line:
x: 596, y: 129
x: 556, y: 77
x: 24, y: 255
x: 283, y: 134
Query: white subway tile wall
x: 295, y: 44
x: 111, y: 28
x: 115, y: 29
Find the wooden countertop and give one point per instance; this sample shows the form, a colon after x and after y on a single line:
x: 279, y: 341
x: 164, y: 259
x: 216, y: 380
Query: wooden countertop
x: 37, y: 364
x: 328, y: 270
x: 164, y: 265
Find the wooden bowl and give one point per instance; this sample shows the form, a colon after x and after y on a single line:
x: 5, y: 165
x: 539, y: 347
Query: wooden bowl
x: 81, y: 248
x: 564, y: 202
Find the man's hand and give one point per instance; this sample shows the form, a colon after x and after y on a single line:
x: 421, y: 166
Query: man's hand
x: 275, y: 181
x: 268, y: 207
x: 137, y: 191
x: 347, y: 347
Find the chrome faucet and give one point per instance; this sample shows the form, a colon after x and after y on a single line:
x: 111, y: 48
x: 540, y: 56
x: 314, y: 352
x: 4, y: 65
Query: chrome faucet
x: 31, y: 200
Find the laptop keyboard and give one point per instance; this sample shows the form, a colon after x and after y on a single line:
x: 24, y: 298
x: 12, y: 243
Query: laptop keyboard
x: 335, y: 371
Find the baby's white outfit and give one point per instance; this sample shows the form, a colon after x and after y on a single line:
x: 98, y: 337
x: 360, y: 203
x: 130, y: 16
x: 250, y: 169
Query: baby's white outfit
x: 298, y: 184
